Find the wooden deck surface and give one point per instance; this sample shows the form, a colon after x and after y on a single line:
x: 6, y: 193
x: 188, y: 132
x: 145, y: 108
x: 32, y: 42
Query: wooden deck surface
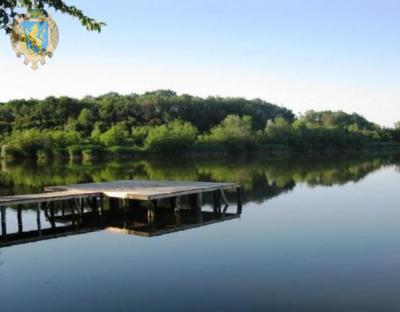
x: 46, y: 197
x: 144, y: 190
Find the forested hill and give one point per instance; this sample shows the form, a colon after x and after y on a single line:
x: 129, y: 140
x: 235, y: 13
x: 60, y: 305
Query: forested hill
x: 164, y: 122
x: 149, y: 109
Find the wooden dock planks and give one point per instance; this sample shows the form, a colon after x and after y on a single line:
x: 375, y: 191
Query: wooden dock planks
x: 146, y: 190
x: 45, y: 197
x: 135, y: 190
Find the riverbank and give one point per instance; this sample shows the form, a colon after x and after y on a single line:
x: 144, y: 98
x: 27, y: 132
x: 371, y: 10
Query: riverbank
x: 98, y: 152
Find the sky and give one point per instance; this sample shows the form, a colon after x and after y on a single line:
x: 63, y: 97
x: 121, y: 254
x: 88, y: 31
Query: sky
x: 309, y: 54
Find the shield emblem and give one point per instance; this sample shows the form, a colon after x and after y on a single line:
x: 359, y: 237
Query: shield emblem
x: 34, y: 38
x: 36, y: 35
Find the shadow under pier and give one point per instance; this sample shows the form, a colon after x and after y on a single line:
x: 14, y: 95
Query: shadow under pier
x: 94, y: 212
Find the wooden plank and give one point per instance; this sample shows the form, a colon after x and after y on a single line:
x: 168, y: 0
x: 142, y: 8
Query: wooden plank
x: 45, y: 197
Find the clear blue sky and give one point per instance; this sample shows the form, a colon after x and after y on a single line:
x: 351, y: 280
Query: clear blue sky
x: 305, y: 54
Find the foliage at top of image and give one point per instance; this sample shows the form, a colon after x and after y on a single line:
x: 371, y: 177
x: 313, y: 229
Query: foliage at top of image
x: 10, y: 8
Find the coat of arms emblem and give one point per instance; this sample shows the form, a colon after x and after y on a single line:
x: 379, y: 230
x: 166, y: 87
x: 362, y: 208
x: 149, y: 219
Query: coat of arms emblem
x: 34, y: 36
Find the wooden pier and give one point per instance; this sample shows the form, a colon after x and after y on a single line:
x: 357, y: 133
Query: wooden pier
x: 125, y: 195
x: 145, y: 190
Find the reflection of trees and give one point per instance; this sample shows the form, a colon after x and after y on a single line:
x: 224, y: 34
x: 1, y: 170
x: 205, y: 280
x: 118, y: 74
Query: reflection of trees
x: 261, y: 177
x: 326, y: 171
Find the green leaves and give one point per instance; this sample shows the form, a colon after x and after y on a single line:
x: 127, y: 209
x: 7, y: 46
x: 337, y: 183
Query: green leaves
x: 8, y: 10
x: 174, y: 137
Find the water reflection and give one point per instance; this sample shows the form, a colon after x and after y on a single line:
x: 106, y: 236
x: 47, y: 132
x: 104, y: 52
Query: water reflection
x: 261, y: 178
x: 58, y: 220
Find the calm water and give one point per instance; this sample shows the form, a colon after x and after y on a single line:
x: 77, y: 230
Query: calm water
x: 315, y: 234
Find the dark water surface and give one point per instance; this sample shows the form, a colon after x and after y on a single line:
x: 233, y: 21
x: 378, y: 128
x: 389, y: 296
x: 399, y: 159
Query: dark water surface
x: 315, y: 234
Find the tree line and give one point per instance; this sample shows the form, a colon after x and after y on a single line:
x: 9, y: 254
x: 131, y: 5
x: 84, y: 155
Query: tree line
x: 164, y: 122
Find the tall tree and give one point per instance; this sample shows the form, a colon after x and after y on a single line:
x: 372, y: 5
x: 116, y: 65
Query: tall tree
x: 9, y: 10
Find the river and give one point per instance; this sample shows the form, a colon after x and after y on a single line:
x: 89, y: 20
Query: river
x: 315, y: 233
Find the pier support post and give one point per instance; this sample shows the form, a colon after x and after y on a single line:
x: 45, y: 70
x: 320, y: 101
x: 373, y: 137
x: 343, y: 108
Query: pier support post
x: 239, y: 200
x: 38, y: 221
x: 151, y: 213
x: 196, y: 201
x: 176, y: 204
x: 19, y: 218
x: 132, y: 203
x: 101, y: 204
x: 217, y: 201
x: 63, y: 209
x: 81, y: 206
x: 223, y: 197
x: 3, y: 222
x: 52, y: 214
x: 172, y: 202
x: 92, y: 203
x: 73, y: 219
x: 114, y: 203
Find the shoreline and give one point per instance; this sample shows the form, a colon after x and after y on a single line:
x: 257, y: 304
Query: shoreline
x: 126, y: 153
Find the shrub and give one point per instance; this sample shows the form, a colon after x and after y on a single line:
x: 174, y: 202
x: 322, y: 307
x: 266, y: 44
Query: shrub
x: 139, y: 135
x: 174, y: 137
x: 29, y: 142
x: 10, y: 152
x: 60, y: 152
x: 61, y: 138
x: 114, y: 136
x: 43, y: 155
x: 75, y: 151
x: 279, y: 131
x: 122, y: 151
x: 88, y: 154
x: 92, y: 151
x: 234, y: 133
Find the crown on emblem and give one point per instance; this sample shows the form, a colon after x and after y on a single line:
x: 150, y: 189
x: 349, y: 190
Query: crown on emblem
x: 34, y: 36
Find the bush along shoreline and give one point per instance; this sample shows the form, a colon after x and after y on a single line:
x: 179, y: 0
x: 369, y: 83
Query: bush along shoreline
x: 161, y: 123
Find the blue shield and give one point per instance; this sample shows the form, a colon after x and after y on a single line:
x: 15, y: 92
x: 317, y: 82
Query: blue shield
x: 36, y: 35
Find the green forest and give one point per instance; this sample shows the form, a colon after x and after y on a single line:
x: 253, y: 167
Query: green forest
x: 162, y: 122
